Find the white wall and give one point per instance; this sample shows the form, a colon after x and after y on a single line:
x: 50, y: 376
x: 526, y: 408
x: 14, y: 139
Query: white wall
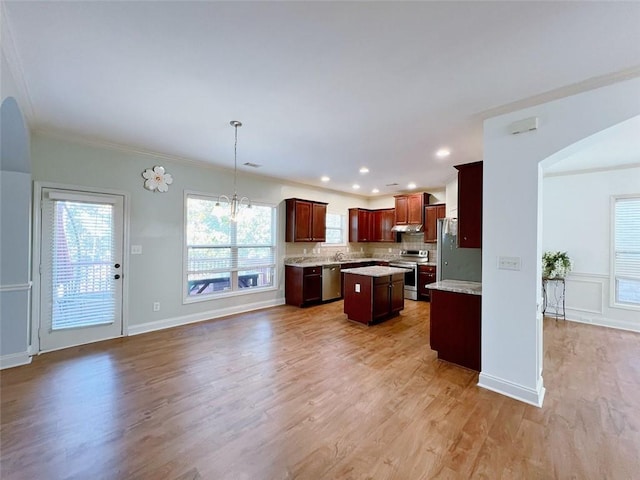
x: 577, y: 219
x: 512, y: 221
x: 451, y: 198
x: 15, y: 222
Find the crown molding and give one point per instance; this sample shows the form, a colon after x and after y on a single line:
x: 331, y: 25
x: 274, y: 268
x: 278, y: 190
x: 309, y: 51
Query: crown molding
x: 15, y: 65
x: 562, y: 92
x: 591, y: 170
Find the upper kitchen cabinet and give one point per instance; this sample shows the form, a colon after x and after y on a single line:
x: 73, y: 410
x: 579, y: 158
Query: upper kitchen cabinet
x: 431, y: 215
x: 359, y: 225
x: 371, y: 225
x: 306, y: 220
x: 381, y: 225
x: 409, y: 208
x: 470, y: 205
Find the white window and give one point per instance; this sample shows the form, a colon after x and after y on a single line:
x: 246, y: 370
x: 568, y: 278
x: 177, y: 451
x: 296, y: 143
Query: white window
x: 626, y: 251
x: 222, y: 257
x: 335, y: 231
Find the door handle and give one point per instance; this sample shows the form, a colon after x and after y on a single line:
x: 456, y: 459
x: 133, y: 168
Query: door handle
x: 116, y: 276
x: 117, y: 265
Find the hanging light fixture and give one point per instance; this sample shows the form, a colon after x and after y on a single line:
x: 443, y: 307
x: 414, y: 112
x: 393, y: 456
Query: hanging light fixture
x: 235, y: 202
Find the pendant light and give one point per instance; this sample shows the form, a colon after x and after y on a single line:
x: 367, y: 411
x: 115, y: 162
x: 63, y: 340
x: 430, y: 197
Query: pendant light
x: 235, y: 202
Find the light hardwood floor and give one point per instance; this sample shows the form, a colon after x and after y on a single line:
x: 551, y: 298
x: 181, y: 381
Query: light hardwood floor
x: 291, y: 393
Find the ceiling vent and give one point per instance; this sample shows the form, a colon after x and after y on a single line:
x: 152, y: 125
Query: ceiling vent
x: 252, y: 165
x: 391, y: 185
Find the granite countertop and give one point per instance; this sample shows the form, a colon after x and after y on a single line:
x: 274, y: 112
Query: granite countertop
x: 457, y: 286
x: 317, y: 262
x: 376, y: 271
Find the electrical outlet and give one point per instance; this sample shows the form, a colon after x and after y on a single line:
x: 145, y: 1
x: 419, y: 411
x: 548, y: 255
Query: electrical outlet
x: 357, y: 288
x: 390, y: 250
x: 156, y: 306
x: 136, y: 249
x: 509, y: 263
x: 304, y: 251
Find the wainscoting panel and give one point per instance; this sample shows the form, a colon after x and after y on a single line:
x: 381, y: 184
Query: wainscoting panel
x: 585, y: 294
x: 588, y: 301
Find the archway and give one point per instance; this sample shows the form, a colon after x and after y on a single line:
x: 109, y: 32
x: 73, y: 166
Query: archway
x: 512, y: 226
x: 15, y: 228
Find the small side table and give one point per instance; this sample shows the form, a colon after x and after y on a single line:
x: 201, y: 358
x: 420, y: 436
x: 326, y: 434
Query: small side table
x: 553, y: 293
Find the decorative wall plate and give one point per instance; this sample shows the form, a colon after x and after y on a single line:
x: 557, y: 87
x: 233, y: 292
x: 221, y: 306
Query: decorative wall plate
x: 156, y: 179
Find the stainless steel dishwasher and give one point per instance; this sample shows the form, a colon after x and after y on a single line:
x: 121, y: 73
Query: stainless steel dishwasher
x: 331, y: 282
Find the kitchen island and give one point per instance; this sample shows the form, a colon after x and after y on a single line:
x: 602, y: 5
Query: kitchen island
x: 373, y: 293
x: 455, y: 321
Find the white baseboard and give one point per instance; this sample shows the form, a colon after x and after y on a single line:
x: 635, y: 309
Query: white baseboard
x: 513, y: 390
x: 200, y: 317
x: 581, y: 317
x: 14, y: 360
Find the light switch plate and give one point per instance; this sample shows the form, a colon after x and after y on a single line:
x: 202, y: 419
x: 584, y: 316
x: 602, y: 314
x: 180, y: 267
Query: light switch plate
x: 509, y: 263
x: 357, y: 288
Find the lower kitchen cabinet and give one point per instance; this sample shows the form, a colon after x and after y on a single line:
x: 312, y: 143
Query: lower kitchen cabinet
x: 456, y: 327
x: 426, y: 275
x: 369, y: 299
x: 302, y: 285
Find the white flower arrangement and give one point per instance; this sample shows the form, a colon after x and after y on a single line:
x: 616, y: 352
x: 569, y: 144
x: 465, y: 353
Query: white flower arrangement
x: 156, y: 179
x: 555, y: 264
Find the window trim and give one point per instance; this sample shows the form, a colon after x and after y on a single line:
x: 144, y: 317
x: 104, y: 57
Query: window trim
x: 344, y: 222
x: 186, y: 299
x: 613, y: 303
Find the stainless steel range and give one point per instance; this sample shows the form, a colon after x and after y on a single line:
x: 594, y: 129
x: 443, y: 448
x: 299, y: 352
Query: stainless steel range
x: 410, y: 259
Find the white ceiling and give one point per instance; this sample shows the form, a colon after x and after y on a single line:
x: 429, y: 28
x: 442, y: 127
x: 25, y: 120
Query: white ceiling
x: 322, y: 88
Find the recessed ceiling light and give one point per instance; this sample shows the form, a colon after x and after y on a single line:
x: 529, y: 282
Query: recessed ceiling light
x: 356, y: 186
x: 375, y: 190
x: 411, y: 186
x: 443, y: 152
x: 364, y: 170
x: 325, y: 178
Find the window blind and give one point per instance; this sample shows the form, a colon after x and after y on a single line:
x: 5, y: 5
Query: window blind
x: 82, y: 252
x: 627, y: 249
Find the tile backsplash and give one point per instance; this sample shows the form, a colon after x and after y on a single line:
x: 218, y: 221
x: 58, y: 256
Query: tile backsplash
x: 359, y: 250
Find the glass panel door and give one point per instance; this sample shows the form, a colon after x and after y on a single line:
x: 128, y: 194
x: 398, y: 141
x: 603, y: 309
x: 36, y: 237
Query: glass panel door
x: 81, y: 268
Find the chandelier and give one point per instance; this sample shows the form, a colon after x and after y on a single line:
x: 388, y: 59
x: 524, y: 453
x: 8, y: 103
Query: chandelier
x: 234, y: 202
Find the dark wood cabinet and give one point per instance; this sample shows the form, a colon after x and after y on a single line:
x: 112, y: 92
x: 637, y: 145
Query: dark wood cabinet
x: 302, y: 285
x: 382, y: 223
x: 456, y: 327
x: 410, y: 208
x: 371, y: 225
x: 305, y: 220
x: 426, y: 275
x: 431, y: 215
x: 359, y: 225
x: 369, y: 299
x: 470, y: 205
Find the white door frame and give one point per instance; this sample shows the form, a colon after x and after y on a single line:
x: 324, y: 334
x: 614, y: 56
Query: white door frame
x: 34, y: 348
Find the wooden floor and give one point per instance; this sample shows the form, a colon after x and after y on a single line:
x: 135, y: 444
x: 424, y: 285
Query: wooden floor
x: 303, y: 393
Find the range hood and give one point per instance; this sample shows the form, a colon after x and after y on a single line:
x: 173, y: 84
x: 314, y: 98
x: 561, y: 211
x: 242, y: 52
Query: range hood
x: 416, y: 228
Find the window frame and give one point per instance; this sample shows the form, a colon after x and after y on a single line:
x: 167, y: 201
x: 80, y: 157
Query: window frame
x: 234, y: 292
x: 343, y: 230
x: 613, y: 301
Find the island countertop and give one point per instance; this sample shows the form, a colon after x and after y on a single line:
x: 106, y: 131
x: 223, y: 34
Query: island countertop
x: 375, y: 271
x: 457, y: 286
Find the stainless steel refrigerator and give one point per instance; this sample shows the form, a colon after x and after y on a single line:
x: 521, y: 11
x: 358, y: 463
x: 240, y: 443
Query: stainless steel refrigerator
x: 454, y: 263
